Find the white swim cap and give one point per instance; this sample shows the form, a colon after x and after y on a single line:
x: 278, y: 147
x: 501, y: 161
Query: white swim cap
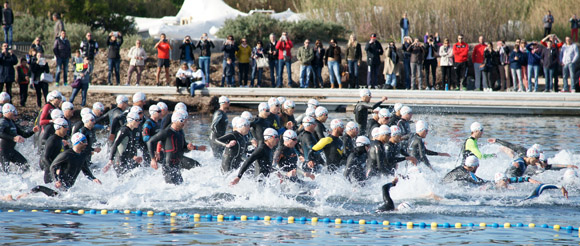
x: 472, y: 161
x: 239, y: 122
x: 310, y: 112
x: 404, y: 206
x: 54, y: 95
x: 273, y: 102
x: 122, y: 99
x: 270, y: 133
x: 154, y: 109
x: 476, y: 126
x: 362, y: 141
x: 179, y: 116
x: 421, y: 126
x: 78, y: 138
x: 67, y: 106
x: 398, y: 106
x: 533, y: 153
x: 543, y: 157
x: 4, y: 96
x: 570, y: 175
x: 336, y: 123
x: 321, y: 111
x: 499, y: 177
x: 85, y: 111
x: 384, y: 113
x: 247, y: 115
x: 313, y: 103
x: 59, y: 123
x: 162, y: 106
x: 87, y: 118
x: 136, y: 109
x: 308, y: 120
x: 364, y: 93
x: 263, y: 107
x: 133, y: 116
x: 223, y: 99
x: 180, y: 106
x: 406, y: 110
x: 385, y: 129
x: 99, y: 106
x: 56, y: 113
x: 351, y: 125
x: 289, y: 104
x: 538, y: 147
x: 139, y: 96
x: 281, y: 100
x: 396, y: 131
x: 289, y: 135
x: 8, y: 108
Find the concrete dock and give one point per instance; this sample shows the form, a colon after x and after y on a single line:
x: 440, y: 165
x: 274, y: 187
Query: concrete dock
x: 538, y: 103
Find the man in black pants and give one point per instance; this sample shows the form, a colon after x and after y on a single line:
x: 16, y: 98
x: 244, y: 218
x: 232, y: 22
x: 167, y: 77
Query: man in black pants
x: 67, y: 165
x: 219, y: 124
x: 374, y: 51
x: 54, y: 146
x: 262, y: 155
x: 361, y: 110
x: 10, y: 134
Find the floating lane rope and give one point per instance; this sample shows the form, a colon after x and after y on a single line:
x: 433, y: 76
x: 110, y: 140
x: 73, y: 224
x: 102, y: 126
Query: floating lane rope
x: 301, y: 220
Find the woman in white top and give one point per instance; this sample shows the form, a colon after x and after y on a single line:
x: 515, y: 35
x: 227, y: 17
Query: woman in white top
x: 197, y: 80
x: 138, y: 56
x: 446, y: 63
x: 183, y: 76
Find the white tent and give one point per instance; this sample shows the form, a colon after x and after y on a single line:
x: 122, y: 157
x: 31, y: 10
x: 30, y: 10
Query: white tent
x: 197, y: 17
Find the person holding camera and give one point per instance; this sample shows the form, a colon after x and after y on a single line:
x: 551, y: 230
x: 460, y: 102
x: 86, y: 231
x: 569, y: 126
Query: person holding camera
x: 62, y: 53
x: 431, y: 54
x: 374, y: 51
x: 284, y: 47
x: 230, y: 48
x: 186, y: 49
x: 38, y: 66
x: 417, y: 50
x: 7, y: 62
x: 333, y: 60
x: 257, y: 53
x: 460, y: 54
x: 244, y: 54
x: 89, y: 49
x: 163, y: 47
x: 114, y: 57
x: 205, y: 45
x: 272, y: 52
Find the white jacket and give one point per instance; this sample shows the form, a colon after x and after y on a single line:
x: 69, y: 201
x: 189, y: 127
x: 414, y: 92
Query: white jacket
x: 135, y: 53
x: 446, y: 54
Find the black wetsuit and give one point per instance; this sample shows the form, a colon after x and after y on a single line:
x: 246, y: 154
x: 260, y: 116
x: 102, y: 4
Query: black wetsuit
x: 306, y: 140
x: 91, y: 143
x: 119, y: 122
x: 377, y: 161
x: 150, y: 128
x: 53, y: 147
x: 77, y: 126
x: 320, y: 130
x: 219, y: 125
x: 519, y: 171
x: 123, y: 150
x: 48, y: 131
x: 287, y: 160
x: 371, y: 124
x: 389, y: 205
x: 418, y: 150
x: 348, y: 144
x: 462, y: 175
x: 9, y: 130
x: 257, y: 128
x: 166, y: 121
x: 285, y: 118
x: 263, y: 156
x: 405, y: 132
x: 393, y: 120
x: 275, y: 121
x: 112, y: 115
x: 519, y: 150
x: 70, y: 164
x: 233, y: 156
x: 333, y: 151
x: 355, y: 165
x: 392, y: 150
x: 361, y: 113
x: 173, y: 145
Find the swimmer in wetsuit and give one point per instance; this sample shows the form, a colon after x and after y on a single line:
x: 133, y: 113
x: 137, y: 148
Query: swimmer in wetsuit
x: 171, y: 141
x: 113, y: 114
x: 396, y: 116
x: 123, y: 156
x: 470, y: 145
x: 10, y: 135
x: 54, y: 99
x: 332, y: 148
x: 68, y: 110
x: 320, y: 130
x: 311, y: 107
x: 377, y: 161
x: 219, y: 125
x: 286, y: 158
x: 262, y: 156
x: 275, y: 112
x: 373, y: 122
x: 355, y: 164
x: 404, y: 125
x: 417, y: 147
x: 67, y: 165
x: 261, y: 123
x: 389, y: 205
x: 393, y: 149
x: 307, y: 140
x: 519, y: 165
x: 54, y: 145
x: 235, y: 144
x: 543, y: 187
x: 349, y: 137
x: 466, y: 172
x: 361, y: 110
x: 88, y: 129
x: 287, y: 117
x: 49, y: 128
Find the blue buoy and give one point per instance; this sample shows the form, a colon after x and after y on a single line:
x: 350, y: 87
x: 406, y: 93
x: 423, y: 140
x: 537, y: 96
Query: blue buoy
x: 374, y: 222
x: 350, y: 221
x: 446, y: 225
x: 93, y: 211
x: 208, y: 217
x: 232, y: 217
x: 397, y: 223
x: 46, y: 211
x: 115, y: 211
x: 302, y: 219
x: 470, y: 225
x: 570, y: 228
x: 422, y: 225
x: 279, y: 218
x: 256, y: 218
x: 519, y: 225
x: 326, y: 220
x: 545, y: 226
x: 22, y: 210
x: 139, y: 213
x: 494, y: 225
x: 162, y: 213
x: 69, y: 211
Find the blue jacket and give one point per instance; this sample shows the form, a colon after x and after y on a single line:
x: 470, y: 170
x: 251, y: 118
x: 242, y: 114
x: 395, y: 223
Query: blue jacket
x: 516, y: 64
x: 533, y: 58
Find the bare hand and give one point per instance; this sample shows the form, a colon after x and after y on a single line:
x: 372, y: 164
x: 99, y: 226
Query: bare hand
x: 445, y: 154
x: 572, y: 166
x: 190, y: 146
x: 384, y: 99
x: 97, y: 149
x: 36, y: 129
x: 565, y: 192
x: 201, y: 148
x: 412, y: 159
x: 235, y: 181
x: 301, y: 158
x: 231, y: 144
x: 107, y: 167
x: 289, y: 125
x: 491, y: 140
x: 138, y: 159
x: 291, y: 173
x: 57, y: 184
x: 18, y: 139
x: 157, y: 156
x: 310, y: 164
x: 154, y: 164
x: 97, y: 181
x: 310, y: 175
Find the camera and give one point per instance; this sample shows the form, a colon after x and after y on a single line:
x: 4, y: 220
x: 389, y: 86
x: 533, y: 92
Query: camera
x: 116, y: 34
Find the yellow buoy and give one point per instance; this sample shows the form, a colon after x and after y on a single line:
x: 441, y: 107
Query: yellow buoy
x: 244, y: 218
x: 483, y: 225
x: 290, y: 220
x: 127, y: 211
x: 81, y: 211
x: 314, y: 219
x: 409, y: 225
x: 507, y: 225
x: 433, y: 225
x: 532, y: 225
x: 267, y: 218
x: 220, y: 217
x: 196, y: 216
x: 150, y: 213
x: 104, y: 211
x: 457, y: 225
x: 386, y: 222
x: 338, y: 221
x: 362, y: 222
x: 34, y: 210
x: 556, y: 227
x: 10, y: 211
x: 57, y: 211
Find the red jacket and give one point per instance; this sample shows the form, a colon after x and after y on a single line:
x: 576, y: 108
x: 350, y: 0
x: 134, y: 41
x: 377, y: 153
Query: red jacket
x: 477, y: 55
x: 460, y: 51
x: 44, y: 118
x: 281, y: 46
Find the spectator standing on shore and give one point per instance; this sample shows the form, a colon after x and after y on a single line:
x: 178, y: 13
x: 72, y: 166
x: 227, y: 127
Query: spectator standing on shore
x: 477, y: 57
x: 353, y: 57
x: 243, y: 55
x: 305, y: 57
x: 138, y: 56
x: 23, y: 80
x: 333, y: 61
x: 39, y: 66
x: 548, y: 20
x: 555, y: 43
x: 163, y: 48
x: 431, y: 54
x: 89, y: 49
x: 504, y: 65
x: 568, y: 57
x: 390, y: 68
x: 229, y: 50
x: 284, y: 47
x: 318, y: 64
x: 82, y: 73
x: 534, y: 61
x: 524, y: 62
x: 58, y: 24
x: 205, y: 45
x: 7, y: 21
x: 37, y: 45
x: 574, y: 25
x: 272, y: 53
x: 460, y: 53
x: 446, y: 63
x: 183, y: 76
x: 374, y: 51
x: 62, y: 52
x: 229, y: 72
x: 516, y: 58
x: 488, y: 66
x: 407, y: 62
x: 186, y: 48
x: 417, y: 51
x: 197, y: 80
x: 7, y: 62
x: 404, y: 24
x: 114, y: 43
x: 550, y: 61
x: 257, y: 53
